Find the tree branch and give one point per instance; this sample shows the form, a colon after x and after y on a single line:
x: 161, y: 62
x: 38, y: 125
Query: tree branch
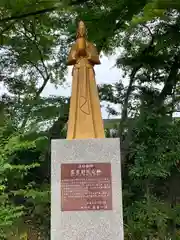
x: 170, y: 82
x: 132, y: 77
x: 25, y: 15
x: 125, y: 105
x: 37, y: 68
x: 45, y: 78
x: 149, y: 30
x: 7, y: 27
x: 34, y: 101
x: 37, y: 47
x: 126, y: 140
x: 38, y: 12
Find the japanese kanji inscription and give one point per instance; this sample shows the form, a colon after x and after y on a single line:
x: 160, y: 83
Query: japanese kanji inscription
x: 86, y: 187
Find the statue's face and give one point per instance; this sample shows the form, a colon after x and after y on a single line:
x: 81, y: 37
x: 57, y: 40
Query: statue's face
x: 81, y: 29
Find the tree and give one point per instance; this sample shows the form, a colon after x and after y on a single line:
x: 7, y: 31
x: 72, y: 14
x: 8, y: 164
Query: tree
x: 34, y: 45
x: 33, y: 53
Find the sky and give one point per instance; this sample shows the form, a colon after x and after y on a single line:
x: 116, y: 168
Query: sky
x: 105, y: 73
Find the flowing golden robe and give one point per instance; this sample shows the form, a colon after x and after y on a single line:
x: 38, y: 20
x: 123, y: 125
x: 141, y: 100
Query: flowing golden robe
x: 85, y: 120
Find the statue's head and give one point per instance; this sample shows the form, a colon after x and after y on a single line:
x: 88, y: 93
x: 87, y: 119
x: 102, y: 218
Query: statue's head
x: 81, y: 31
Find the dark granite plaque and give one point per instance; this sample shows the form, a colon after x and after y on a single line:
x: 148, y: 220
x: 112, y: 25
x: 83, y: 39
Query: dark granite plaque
x: 86, y: 187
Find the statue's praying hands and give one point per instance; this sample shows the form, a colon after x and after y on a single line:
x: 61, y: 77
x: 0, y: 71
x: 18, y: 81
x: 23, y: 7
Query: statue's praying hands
x: 82, y: 48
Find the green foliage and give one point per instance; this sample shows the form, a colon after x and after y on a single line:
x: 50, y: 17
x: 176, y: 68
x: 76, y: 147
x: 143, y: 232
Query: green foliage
x: 154, y: 158
x: 35, y: 37
x: 8, y: 216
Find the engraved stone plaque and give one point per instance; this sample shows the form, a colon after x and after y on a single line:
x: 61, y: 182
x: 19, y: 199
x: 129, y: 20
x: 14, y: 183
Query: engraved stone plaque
x: 86, y: 186
x: 86, y: 191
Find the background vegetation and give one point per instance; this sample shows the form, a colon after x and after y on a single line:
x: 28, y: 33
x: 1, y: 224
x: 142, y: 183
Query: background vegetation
x: 35, y: 37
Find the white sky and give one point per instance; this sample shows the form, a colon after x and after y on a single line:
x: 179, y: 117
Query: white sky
x: 105, y: 73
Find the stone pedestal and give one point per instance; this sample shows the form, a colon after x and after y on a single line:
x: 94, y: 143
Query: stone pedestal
x: 86, y: 193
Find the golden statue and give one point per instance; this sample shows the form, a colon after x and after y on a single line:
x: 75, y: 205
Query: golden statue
x: 85, y: 120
